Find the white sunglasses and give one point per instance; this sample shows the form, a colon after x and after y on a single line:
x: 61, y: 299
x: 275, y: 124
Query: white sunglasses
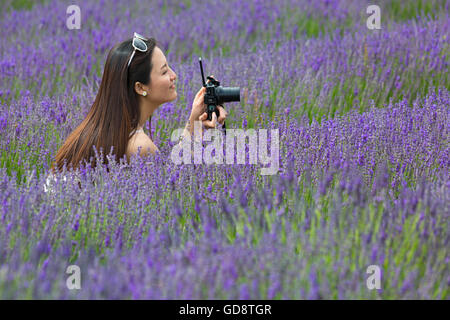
x: 138, y: 44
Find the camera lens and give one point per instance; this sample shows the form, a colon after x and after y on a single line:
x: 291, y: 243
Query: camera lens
x: 228, y: 94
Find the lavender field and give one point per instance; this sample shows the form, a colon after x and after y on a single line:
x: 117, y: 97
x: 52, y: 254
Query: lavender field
x: 363, y: 118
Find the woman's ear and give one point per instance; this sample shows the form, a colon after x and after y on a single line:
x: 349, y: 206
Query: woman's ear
x: 139, y: 89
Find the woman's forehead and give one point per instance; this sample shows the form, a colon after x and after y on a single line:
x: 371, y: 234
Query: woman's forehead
x: 158, y: 57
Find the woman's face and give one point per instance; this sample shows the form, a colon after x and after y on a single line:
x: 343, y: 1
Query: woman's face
x: 162, y: 84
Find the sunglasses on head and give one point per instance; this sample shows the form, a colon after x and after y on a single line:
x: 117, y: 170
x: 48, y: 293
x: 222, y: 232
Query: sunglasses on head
x: 138, y: 43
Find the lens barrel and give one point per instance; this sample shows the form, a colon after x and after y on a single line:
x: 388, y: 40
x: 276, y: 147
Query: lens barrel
x: 228, y: 94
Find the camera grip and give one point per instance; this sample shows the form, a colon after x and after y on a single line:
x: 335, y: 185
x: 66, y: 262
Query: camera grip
x: 210, y: 111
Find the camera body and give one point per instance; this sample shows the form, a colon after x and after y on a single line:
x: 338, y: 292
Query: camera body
x: 217, y: 95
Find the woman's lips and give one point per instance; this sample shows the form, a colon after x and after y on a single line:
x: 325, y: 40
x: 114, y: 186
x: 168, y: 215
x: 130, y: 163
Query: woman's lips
x: 172, y: 86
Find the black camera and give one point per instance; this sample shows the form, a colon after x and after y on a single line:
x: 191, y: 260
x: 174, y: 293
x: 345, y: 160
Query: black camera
x: 216, y: 94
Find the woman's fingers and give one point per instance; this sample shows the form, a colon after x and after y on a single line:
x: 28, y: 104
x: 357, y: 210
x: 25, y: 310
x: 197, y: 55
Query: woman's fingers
x: 222, y: 114
x: 209, y: 123
x: 213, y: 122
x: 199, y: 93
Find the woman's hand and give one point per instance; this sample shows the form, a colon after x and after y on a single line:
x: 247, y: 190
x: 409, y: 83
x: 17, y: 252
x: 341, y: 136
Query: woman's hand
x: 212, y: 123
x: 198, y: 112
x: 198, y: 106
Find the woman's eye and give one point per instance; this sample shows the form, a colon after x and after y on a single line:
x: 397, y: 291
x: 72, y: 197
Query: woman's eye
x: 164, y: 72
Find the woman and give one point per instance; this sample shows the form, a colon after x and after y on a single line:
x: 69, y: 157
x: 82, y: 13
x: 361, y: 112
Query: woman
x: 137, y: 79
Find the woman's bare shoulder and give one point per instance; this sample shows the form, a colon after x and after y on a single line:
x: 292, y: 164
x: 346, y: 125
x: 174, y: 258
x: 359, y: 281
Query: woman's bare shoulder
x: 142, y: 143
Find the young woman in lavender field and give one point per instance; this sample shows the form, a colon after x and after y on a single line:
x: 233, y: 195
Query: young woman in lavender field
x: 136, y: 80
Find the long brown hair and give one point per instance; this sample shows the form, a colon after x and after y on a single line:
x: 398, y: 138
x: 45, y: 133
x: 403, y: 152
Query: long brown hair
x: 115, y: 111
